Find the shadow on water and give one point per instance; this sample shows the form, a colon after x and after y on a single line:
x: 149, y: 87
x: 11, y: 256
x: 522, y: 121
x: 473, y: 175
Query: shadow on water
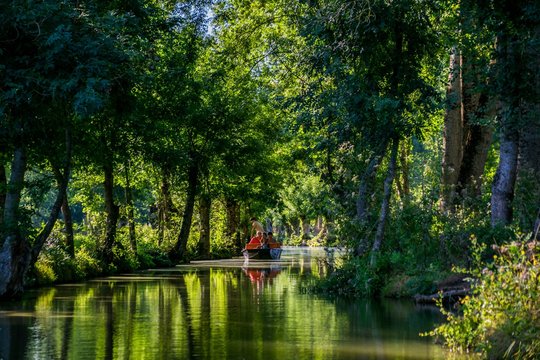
x: 214, y: 310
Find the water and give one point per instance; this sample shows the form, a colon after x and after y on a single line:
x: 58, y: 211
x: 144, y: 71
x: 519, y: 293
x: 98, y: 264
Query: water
x: 213, y: 310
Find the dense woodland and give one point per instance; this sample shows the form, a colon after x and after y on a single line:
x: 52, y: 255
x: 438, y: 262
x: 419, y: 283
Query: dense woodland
x: 146, y: 133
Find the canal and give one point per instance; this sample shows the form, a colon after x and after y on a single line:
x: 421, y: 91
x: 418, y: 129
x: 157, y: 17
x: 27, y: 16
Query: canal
x: 214, y: 310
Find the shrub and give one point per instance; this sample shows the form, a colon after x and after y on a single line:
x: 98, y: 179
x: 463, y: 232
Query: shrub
x: 502, y: 318
x: 355, y: 278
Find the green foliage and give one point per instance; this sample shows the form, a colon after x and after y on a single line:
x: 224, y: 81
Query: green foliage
x: 501, y: 318
x: 149, y: 254
x: 356, y: 278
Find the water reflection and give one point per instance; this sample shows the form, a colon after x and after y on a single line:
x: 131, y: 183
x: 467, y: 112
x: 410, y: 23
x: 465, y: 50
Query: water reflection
x: 225, y: 310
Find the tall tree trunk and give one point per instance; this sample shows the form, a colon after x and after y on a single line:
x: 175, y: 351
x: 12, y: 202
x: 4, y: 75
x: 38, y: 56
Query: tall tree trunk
x: 130, y: 210
x: 166, y: 206
x: 204, y: 213
x: 476, y: 137
x: 453, y: 130
x: 66, y: 214
x: 14, y: 249
x: 385, y: 206
x: 68, y: 226
x: 505, y: 177
x: 465, y: 142
x: 306, y: 231
x: 404, y: 169
x: 178, y: 253
x: 112, y: 210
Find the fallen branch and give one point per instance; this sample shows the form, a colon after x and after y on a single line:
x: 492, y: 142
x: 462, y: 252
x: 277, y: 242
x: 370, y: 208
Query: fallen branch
x: 447, y: 296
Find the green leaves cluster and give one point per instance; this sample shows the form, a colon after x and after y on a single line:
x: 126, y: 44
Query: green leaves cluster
x: 501, y: 319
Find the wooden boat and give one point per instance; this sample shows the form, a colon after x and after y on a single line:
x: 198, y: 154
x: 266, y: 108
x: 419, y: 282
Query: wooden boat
x: 256, y: 251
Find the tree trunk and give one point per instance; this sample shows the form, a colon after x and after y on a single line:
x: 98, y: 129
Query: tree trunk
x: 204, y: 213
x: 130, y: 210
x: 453, y: 131
x: 474, y: 159
x: 68, y: 226
x: 404, y: 169
x: 166, y: 206
x: 66, y: 214
x: 178, y: 253
x: 385, y: 206
x: 113, y: 212
x: 505, y: 177
x: 476, y: 137
x: 14, y: 249
x: 306, y: 232
x: 465, y: 142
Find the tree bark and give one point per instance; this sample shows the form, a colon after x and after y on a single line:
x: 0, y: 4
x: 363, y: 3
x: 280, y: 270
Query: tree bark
x: 178, y: 253
x: 130, y: 210
x: 14, y: 249
x: 68, y: 226
x: 453, y: 130
x: 112, y: 210
x: 204, y: 238
x: 505, y: 177
x: 306, y: 233
x: 166, y: 206
x: 465, y: 142
x: 385, y: 206
x: 13, y: 193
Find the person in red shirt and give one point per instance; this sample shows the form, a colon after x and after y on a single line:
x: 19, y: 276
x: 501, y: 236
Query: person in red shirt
x: 257, y: 239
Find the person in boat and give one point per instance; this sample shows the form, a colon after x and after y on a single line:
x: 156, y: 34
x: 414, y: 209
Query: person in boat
x: 258, y: 239
x: 256, y: 226
x: 271, y: 238
x: 264, y: 242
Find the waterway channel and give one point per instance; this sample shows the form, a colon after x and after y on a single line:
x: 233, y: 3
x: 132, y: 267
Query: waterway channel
x: 225, y: 309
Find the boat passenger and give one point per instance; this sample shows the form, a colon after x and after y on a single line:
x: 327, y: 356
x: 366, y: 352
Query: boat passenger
x: 265, y: 241
x: 271, y: 239
x: 256, y: 226
x: 257, y: 239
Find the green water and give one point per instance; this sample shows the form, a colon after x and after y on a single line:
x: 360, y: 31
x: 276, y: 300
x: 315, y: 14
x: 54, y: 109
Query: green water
x: 213, y: 310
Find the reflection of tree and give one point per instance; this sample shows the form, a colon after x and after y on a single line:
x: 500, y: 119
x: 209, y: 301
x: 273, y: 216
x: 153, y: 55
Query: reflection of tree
x: 183, y: 294
x: 68, y: 309
x: 107, y: 294
x: 213, y: 314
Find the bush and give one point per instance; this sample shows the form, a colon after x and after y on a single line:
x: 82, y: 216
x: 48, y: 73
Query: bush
x: 502, y: 318
x: 355, y: 278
